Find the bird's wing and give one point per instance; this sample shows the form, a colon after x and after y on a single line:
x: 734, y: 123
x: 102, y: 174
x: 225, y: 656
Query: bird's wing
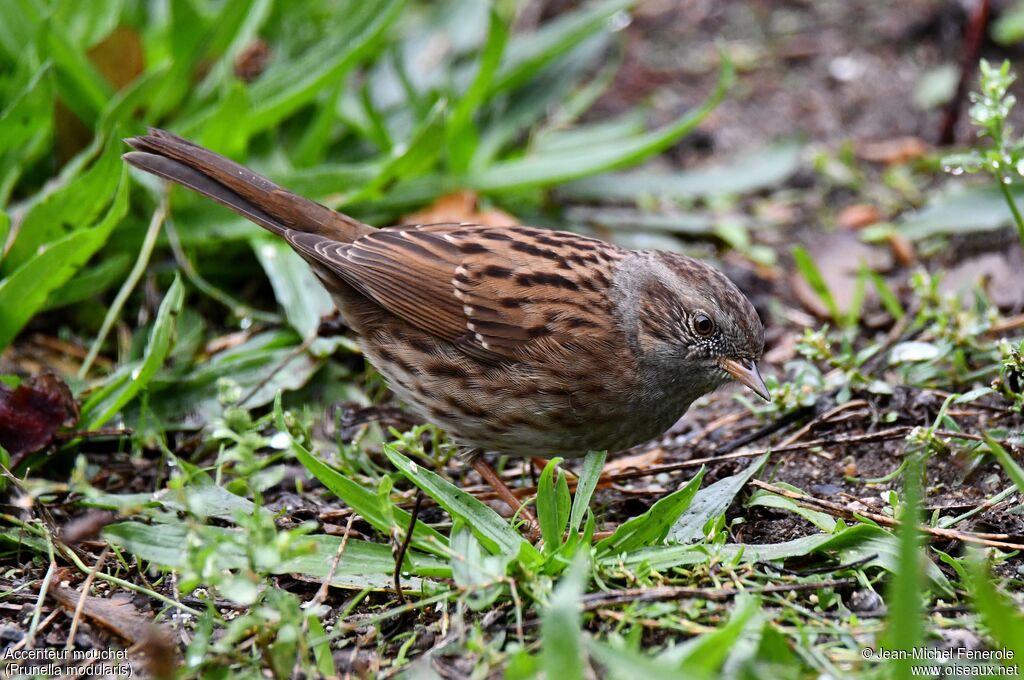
x: 500, y: 293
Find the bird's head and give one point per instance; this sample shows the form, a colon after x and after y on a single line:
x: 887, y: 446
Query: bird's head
x: 691, y: 321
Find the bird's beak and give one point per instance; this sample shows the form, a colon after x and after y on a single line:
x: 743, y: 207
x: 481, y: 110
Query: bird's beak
x: 745, y: 371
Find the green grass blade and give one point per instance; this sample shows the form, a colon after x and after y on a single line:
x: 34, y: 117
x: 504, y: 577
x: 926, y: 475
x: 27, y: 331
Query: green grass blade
x: 25, y: 290
x: 905, y: 629
x: 889, y: 299
x: 29, y: 114
x: 494, y: 532
x: 651, y: 527
x: 5, y: 230
x: 461, y: 134
x: 593, y: 464
x: 705, y: 655
x: 297, y: 85
x: 561, y: 637
x: 545, y: 170
x: 71, y: 207
x: 409, y: 160
x: 547, y: 507
x: 126, y: 384
x: 529, y: 54
x: 809, y: 270
x: 366, y: 503
x: 710, y: 502
x: 1000, y: 613
x: 1013, y: 470
x: 321, y: 643
x: 81, y: 86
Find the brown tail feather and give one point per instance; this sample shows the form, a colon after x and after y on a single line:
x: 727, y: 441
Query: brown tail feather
x: 252, y: 196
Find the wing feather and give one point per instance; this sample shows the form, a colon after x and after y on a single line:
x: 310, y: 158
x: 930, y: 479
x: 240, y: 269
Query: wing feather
x: 499, y: 293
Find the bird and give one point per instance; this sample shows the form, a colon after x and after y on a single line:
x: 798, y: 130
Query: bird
x: 515, y: 340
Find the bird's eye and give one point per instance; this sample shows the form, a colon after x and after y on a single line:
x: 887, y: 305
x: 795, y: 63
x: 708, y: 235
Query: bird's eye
x: 702, y: 324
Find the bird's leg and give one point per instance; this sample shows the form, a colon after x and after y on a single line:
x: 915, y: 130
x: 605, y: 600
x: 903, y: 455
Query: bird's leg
x: 484, y: 469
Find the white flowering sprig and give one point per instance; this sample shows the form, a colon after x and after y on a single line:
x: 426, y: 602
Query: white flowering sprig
x: 1003, y: 158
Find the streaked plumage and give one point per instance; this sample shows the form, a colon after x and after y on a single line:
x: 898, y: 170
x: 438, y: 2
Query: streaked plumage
x: 516, y: 340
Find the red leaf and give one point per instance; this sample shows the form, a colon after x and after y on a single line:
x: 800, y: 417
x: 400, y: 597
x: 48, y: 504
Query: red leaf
x: 31, y: 414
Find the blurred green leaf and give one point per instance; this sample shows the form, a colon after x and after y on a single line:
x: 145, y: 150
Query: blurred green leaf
x: 68, y: 208
x: 542, y: 170
x: 508, y: 118
x: 704, y: 655
x: 80, y: 85
x: 321, y: 643
x: 528, y: 53
x: 1012, y: 469
x: 1008, y: 27
x: 86, y: 23
x: 28, y: 116
x: 18, y: 22
x: 222, y: 131
x: 183, y: 37
x: 122, y: 386
x: 560, y: 634
x: 809, y: 270
x: 366, y: 565
x: 461, y: 132
x: 291, y: 86
x: 561, y: 140
x: 960, y: 211
x: 889, y: 299
x: 748, y: 172
x: 905, y: 629
x: 25, y: 289
x: 5, y: 230
x: 1000, y: 613
x: 90, y: 281
x: 411, y: 159
x: 621, y: 663
x: 131, y: 100
x: 299, y: 293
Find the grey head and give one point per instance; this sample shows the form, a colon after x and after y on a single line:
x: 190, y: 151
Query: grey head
x: 690, y: 325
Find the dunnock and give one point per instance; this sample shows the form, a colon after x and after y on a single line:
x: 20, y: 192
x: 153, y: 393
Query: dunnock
x: 515, y: 340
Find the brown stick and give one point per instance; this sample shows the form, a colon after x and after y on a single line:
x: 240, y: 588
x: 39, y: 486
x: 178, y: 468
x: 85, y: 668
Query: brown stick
x: 838, y: 510
x: 629, y: 595
x: 484, y: 469
x: 968, y: 61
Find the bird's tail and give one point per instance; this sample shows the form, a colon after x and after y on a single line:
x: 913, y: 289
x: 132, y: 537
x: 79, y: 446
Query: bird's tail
x: 250, y: 195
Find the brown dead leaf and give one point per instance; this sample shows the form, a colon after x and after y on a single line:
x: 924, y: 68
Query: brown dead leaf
x: 859, y: 216
x: 893, y: 151
x: 31, y: 414
x: 460, y: 206
x: 637, y: 461
x: 902, y: 249
x: 120, y: 60
x: 998, y: 274
x: 839, y: 257
x: 119, y: 616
